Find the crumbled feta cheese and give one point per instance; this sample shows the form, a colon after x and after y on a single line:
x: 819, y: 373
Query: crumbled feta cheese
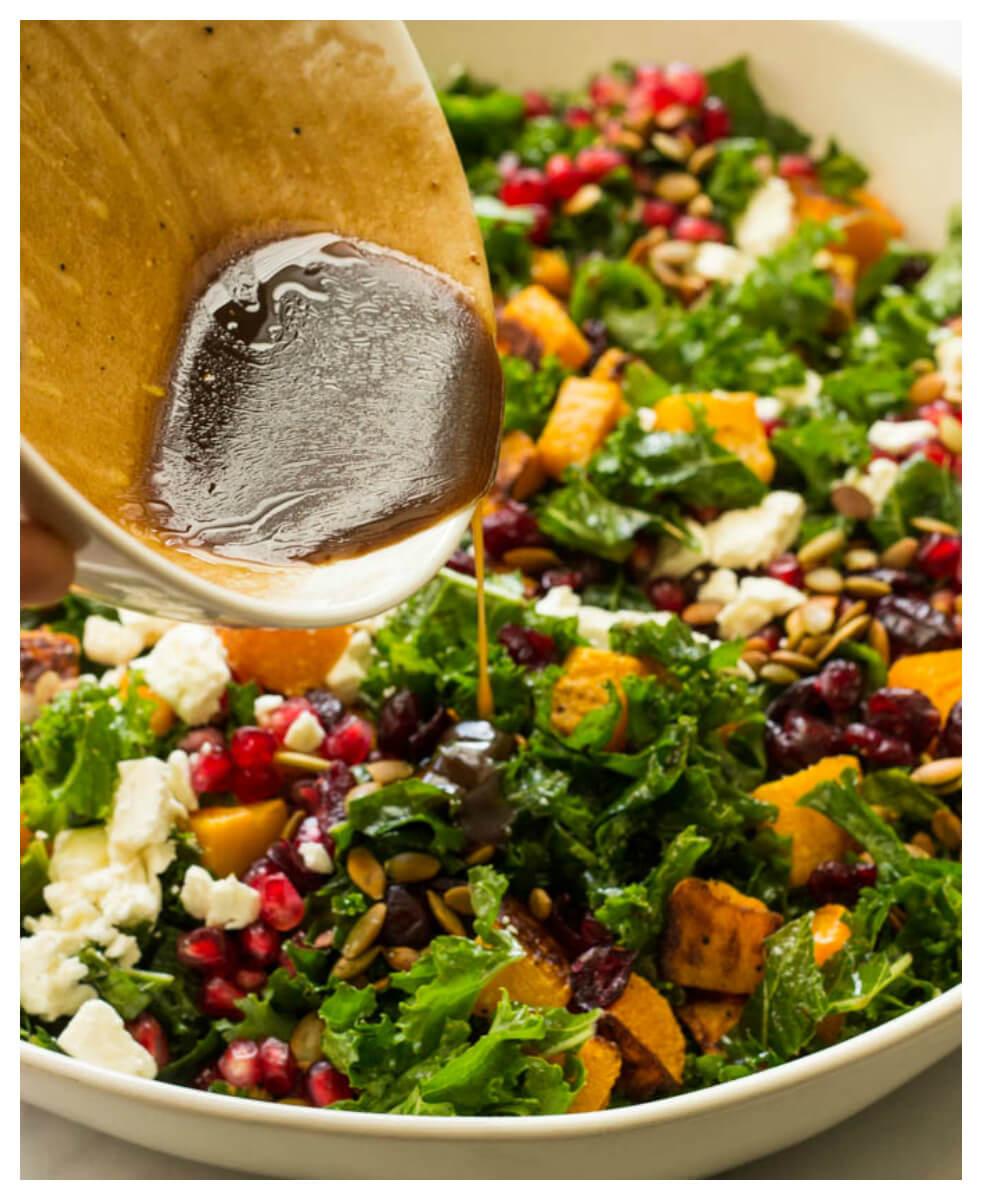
x: 223, y: 903
x: 560, y: 602
x: 769, y: 408
x: 720, y: 588
x: 767, y: 221
x: 899, y: 437
x: 801, y: 395
x: 97, y: 1035
x: 109, y: 642
x: 948, y: 356
x: 344, y: 678
x: 875, y: 482
x: 144, y: 808
x: 188, y: 668
x: 305, y: 734
x: 758, y: 600
x: 715, y: 260
x: 676, y: 559
x: 151, y: 629
x: 179, y: 779
x: 316, y: 858
x: 868, y: 337
x: 51, y: 977
x: 265, y: 706
x: 647, y: 418
x: 592, y: 623
x: 77, y: 853
x: 750, y: 537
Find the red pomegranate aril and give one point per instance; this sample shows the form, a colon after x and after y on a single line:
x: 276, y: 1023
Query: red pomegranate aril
x: 608, y: 90
x: 287, y: 963
x: 278, y: 1066
x: 309, y: 830
x: 688, y: 84
x: 536, y: 104
x: 280, y: 719
x: 240, y: 1065
x: 326, y: 1085
x: 786, y: 569
x: 715, y: 119
x: 205, y: 949
x: 658, y: 213
x: 541, y: 224
x: 261, y: 942
x: 698, y: 229
x: 252, y: 746
x: 219, y: 996
x: 667, y: 595
x: 796, y: 166
x: 350, y: 740
x: 527, y: 185
x: 250, y: 979
x: 280, y: 904
x: 252, y: 784
x: 939, y: 555
x: 204, y: 735
x: 258, y: 870
x: 148, y: 1031
x: 597, y: 161
x: 563, y: 177
x: 206, y: 1077
x: 937, y: 409
x: 578, y: 117
x: 211, y: 769
x: 933, y: 452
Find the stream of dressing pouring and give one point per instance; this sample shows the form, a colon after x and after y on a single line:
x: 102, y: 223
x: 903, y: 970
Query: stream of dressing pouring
x: 151, y: 152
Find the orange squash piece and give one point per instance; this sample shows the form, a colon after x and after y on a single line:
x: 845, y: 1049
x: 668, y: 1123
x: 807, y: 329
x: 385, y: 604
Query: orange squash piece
x: 231, y: 838
x: 550, y: 269
x: 732, y: 416
x: 583, y: 687
x: 710, y: 1015
x: 938, y: 675
x: 535, y: 314
x: 714, y: 937
x: 829, y: 932
x: 844, y: 270
x: 651, y: 1041
x: 586, y: 410
x: 867, y: 224
x: 541, y: 978
x: 290, y: 661
x: 602, y: 1061
x: 814, y: 838
x: 520, y: 471
x: 162, y: 716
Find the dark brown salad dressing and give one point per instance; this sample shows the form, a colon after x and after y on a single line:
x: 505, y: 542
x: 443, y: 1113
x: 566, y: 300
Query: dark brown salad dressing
x: 328, y: 397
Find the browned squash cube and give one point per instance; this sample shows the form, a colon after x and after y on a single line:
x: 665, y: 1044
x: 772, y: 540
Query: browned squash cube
x: 541, y: 978
x: 586, y: 410
x: 583, y: 687
x: 710, y: 1015
x: 520, y: 472
x: 533, y: 324
x: 651, y: 1042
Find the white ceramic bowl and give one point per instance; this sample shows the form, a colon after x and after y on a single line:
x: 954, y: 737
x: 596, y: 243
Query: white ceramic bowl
x: 903, y: 118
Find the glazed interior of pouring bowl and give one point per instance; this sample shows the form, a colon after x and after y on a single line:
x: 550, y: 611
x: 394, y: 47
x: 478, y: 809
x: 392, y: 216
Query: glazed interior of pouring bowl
x: 153, y: 150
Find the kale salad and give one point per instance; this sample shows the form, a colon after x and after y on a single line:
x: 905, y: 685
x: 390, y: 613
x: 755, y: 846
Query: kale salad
x: 715, y: 821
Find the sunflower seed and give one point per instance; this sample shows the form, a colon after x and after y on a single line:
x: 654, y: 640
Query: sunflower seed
x: 793, y: 659
x: 700, y: 159
x: 366, y: 872
x: 412, y: 867
x: 306, y: 1040
x: 821, y: 547
x: 482, y: 854
x: 947, y: 828
x: 677, y: 187
x: 899, y: 554
x: 400, y: 958
x: 845, y: 633
x: 540, y: 904
x: 445, y: 915
x: 389, y: 770
x: 459, y: 899
x: 950, y: 433
x: 938, y: 772
x: 879, y: 639
x: 851, y: 502
x: 775, y: 673
x: 866, y: 585
x: 826, y: 580
x: 311, y: 763
x: 926, y: 388
x: 702, y: 613
x: 364, y: 931
x: 348, y: 968
x: 933, y: 525
x: 860, y: 558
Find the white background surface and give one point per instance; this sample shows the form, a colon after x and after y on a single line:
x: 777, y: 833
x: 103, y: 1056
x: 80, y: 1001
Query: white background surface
x: 913, y: 1134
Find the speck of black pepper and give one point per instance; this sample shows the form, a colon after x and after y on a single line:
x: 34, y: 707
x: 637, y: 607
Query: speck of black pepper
x: 102, y: 368
x: 297, y: 130
x: 61, y: 266
x: 162, y: 224
x: 209, y: 29
x: 122, y: 134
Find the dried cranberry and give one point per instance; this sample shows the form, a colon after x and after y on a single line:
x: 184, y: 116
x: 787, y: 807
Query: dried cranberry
x: 258, y: 870
x: 578, y: 117
x: 536, y: 104
x: 252, y: 747
x: 787, y: 569
x: 914, y: 627
x: 878, y: 748
x: 206, y: 1077
x: 715, y: 119
x: 950, y: 742
x: 326, y: 1085
x: 286, y: 858
x: 528, y: 647
x: 561, y: 577
x: 658, y: 213
x: 423, y: 742
x: 912, y: 270
x: 219, y: 996
x: 260, y: 942
x: 463, y: 563
x: 211, y: 769
x: 350, y: 740
x: 667, y: 595
x: 599, y: 976
x: 800, y: 741
x: 398, y: 720
x: 595, y: 332
x: 833, y: 882
x: 840, y: 684
x: 939, y: 555
x: 407, y: 919
x: 904, y: 713
x: 510, y: 527
x: 688, y: 84
x: 801, y: 696
x: 205, y: 949
x: 251, y: 784
x: 198, y: 739
x: 332, y: 786
x: 524, y: 186
x: 279, y: 1067
x: 563, y: 177
x: 538, y: 232
x: 148, y: 1031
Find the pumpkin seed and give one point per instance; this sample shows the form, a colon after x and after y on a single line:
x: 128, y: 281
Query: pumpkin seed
x: 700, y: 159
x: 933, y: 525
x: 776, y: 673
x: 359, y: 790
x: 793, y: 659
x: 866, y: 585
x: 675, y: 253
x: 856, y: 609
x: 325, y: 940
x: 46, y: 686
x: 947, y: 828
x: 879, y: 639
x: 950, y: 433
x: 459, y: 899
x: 900, y: 554
x: 818, y: 614
x: 821, y: 547
x: 389, y: 770
x: 483, y: 854
x: 845, y: 633
x: 311, y: 763
x: 364, y: 931
x: 671, y: 117
x: 938, y: 773
x: 925, y: 842
x: 811, y: 645
x: 447, y: 918
x: 348, y: 968
x: 702, y: 613
x: 926, y: 388
x: 366, y: 872
x: 588, y: 196
x: 917, y: 850
x: 826, y: 580
x: 400, y: 958
x: 306, y: 1041
x: 669, y: 146
x: 540, y: 904
x: 379, y: 985
x: 755, y: 659
x: 861, y: 558
x: 699, y: 206
x: 412, y: 867
x: 851, y: 502
x: 292, y: 823
x: 627, y: 139
x: 677, y: 187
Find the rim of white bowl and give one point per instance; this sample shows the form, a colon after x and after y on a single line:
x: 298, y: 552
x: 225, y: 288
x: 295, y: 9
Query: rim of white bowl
x: 653, y: 1112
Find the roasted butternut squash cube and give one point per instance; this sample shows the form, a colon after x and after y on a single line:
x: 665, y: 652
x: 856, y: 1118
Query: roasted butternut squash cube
x: 291, y: 661
x: 710, y: 1015
x: 541, y: 978
x: 42, y: 650
x: 232, y: 838
x: 938, y: 675
x: 829, y: 931
x: 534, y: 314
x: 520, y: 471
x: 162, y: 715
x: 550, y: 269
x: 814, y: 838
x: 583, y: 687
x: 714, y: 937
x: 732, y: 416
x: 610, y: 366
x: 651, y: 1042
x: 867, y: 224
x: 602, y: 1062
x: 586, y: 410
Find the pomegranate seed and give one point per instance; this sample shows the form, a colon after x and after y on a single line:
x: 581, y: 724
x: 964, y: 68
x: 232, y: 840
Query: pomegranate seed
x: 939, y: 554
x: 787, y: 569
x: 528, y: 647
x: 286, y: 858
x: 332, y: 786
x: 607, y: 90
x: 796, y: 166
x: 536, y: 104
x: 251, y: 784
x: 280, y: 902
x: 667, y: 595
x: 326, y: 1085
x: 204, y: 735
x: 840, y: 684
x: 879, y: 749
x: 206, y: 1077
x: 280, y: 719
x: 527, y: 185
x: 933, y: 452
x: 578, y: 117
x: 279, y: 1067
x: 698, y: 229
x: 218, y: 997
x: 937, y: 409
x: 211, y: 769
x: 541, y: 224
x: 563, y: 178
x: 240, y: 1064
x: 561, y: 577
x: 904, y: 713
x: 688, y: 84
x: 648, y: 74
x: 350, y: 740
x: 833, y: 882
x: 258, y: 870
x: 715, y: 119
x: 510, y: 527
x: 148, y: 1031
x: 309, y: 830
x: 260, y: 942
x: 599, y: 976
x: 252, y: 747
x: 770, y: 426
x: 597, y: 161
x: 950, y: 741
x: 658, y: 213
x: 250, y: 979
x: 205, y: 949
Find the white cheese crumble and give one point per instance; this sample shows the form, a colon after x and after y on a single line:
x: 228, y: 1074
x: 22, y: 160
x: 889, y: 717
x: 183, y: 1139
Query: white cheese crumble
x: 150, y: 629
x: 948, y: 356
x: 720, y: 588
x: 188, y: 668
x: 741, y: 538
x: 899, y: 437
x: 801, y: 395
x: 344, y: 678
x: 768, y: 220
x: 759, y: 599
x: 223, y: 903
x: 51, y: 977
x: 305, y: 734
x: 316, y: 858
x: 594, y: 624
x: 97, y: 1035
x: 647, y: 418
x: 144, y: 809
x: 715, y: 260
x: 265, y: 706
x: 768, y: 408
x: 109, y: 642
